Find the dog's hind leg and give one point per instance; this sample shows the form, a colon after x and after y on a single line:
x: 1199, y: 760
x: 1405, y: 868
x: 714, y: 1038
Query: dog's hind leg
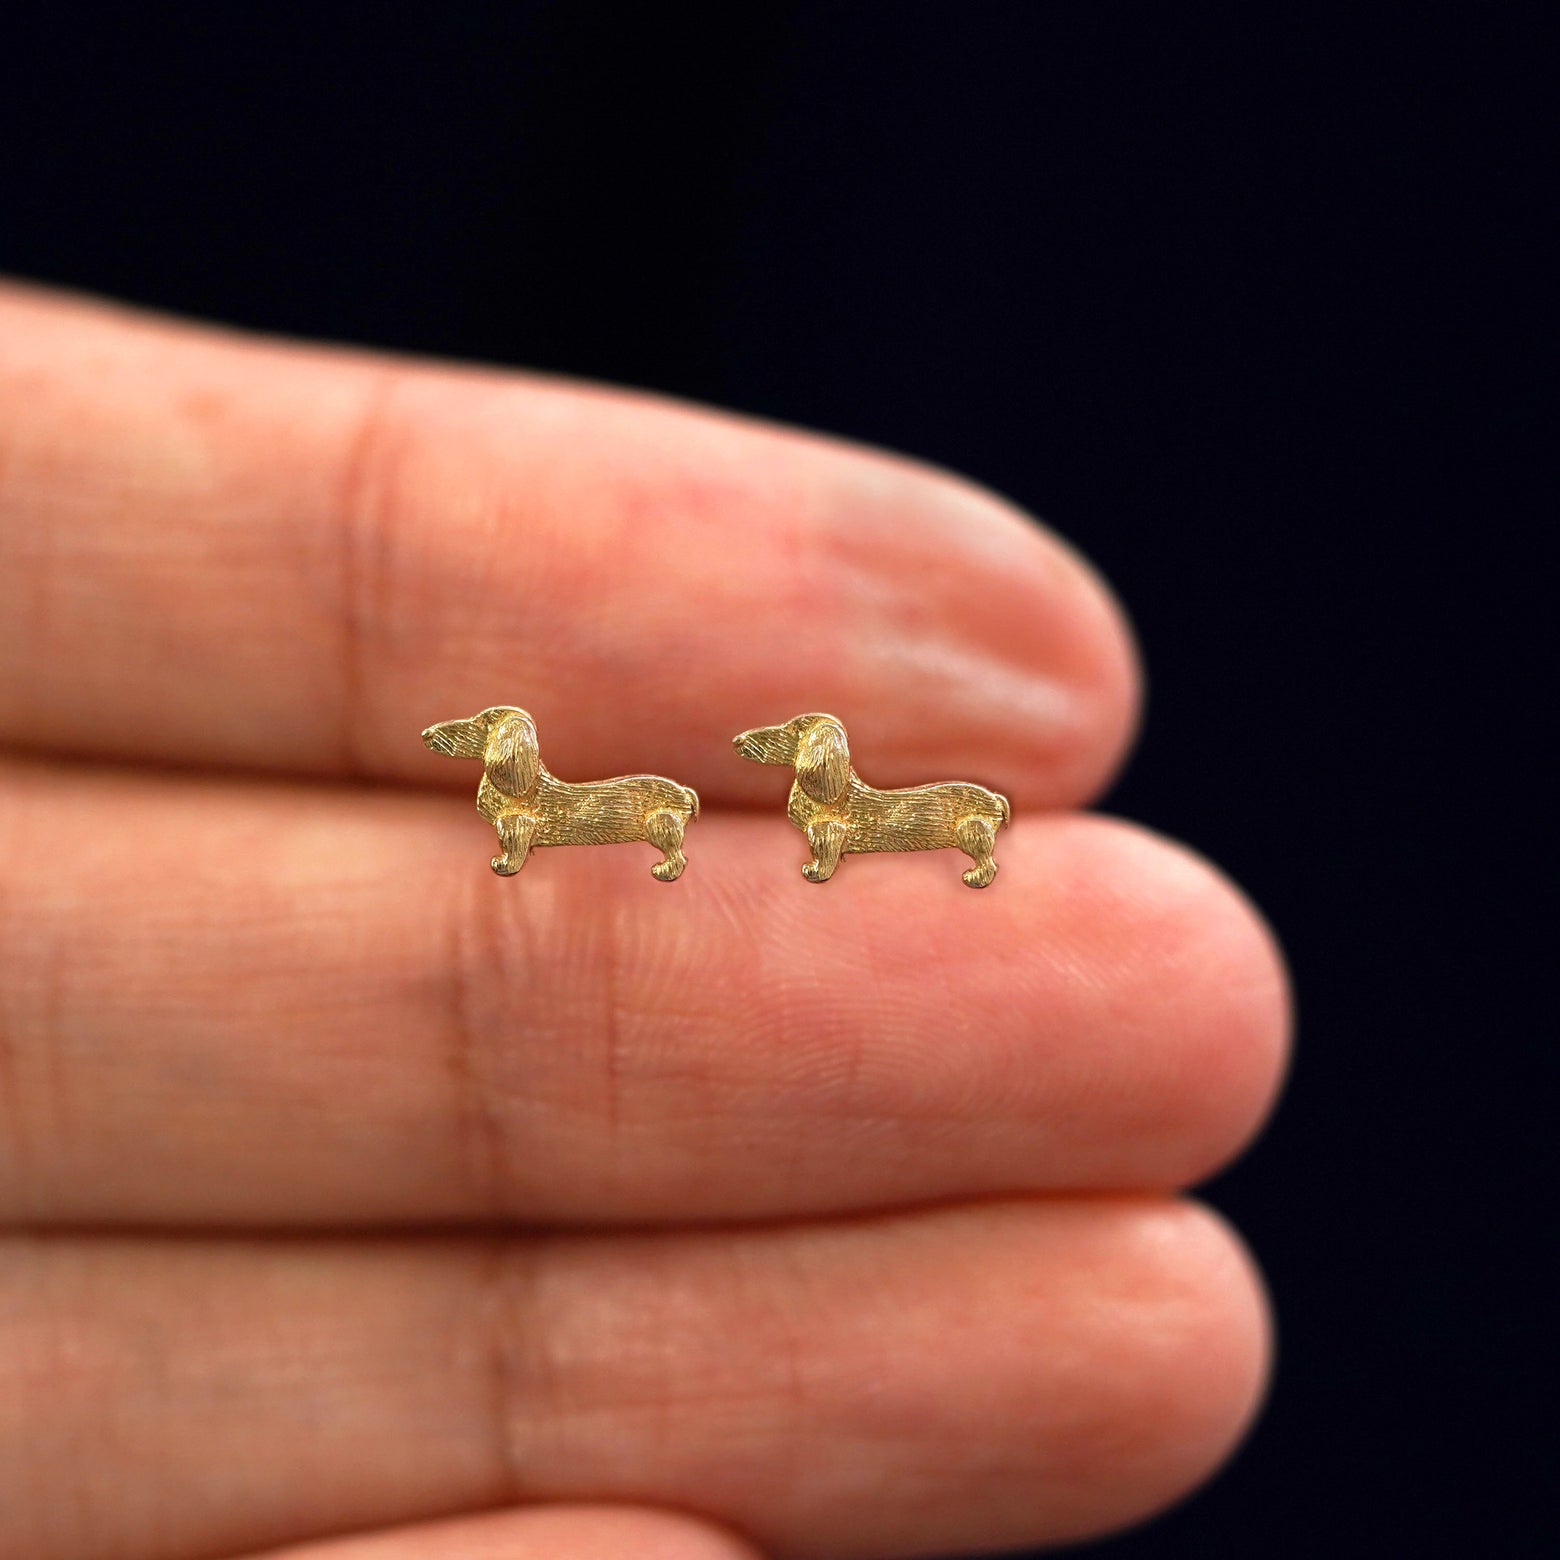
x: 827, y: 840
x: 664, y: 830
x: 515, y: 832
x: 977, y: 836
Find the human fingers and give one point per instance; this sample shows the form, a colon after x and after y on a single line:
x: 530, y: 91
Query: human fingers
x: 291, y: 1005
x: 922, y: 1383
x: 219, y: 550
x: 538, y: 1533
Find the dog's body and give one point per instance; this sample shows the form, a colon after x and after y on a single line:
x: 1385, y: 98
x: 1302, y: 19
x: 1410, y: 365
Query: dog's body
x: 597, y: 812
x: 919, y: 817
x: 530, y: 807
x: 840, y: 814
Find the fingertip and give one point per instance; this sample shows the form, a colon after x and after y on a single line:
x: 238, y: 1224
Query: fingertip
x: 1212, y: 1353
x: 984, y: 639
x: 1176, y: 1355
x: 1192, y: 950
x: 1236, y: 1002
x: 1104, y: 658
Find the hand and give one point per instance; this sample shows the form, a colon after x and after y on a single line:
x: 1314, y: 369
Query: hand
x: 349, y: 1186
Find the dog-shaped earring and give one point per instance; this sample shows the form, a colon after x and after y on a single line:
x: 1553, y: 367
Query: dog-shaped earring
x: 839, y: 813
x: 529, y: 807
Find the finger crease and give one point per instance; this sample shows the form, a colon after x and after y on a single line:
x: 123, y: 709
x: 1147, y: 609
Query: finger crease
x: 364, y: 494
x: 475, y: 954
x: 505, y: 1274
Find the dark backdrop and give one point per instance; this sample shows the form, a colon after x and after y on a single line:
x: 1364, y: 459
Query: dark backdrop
x: 1239, y: 297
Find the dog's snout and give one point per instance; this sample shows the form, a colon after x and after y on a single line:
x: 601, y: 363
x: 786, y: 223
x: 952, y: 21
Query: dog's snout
x: 455, y: 738
x: 759, y: 744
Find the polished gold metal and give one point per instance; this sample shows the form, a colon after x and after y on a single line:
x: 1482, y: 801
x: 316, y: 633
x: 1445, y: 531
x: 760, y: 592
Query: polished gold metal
x: 530, y: 807
x: 839, y: 813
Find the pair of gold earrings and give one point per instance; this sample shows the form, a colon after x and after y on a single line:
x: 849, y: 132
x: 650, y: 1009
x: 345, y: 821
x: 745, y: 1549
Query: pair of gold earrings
x: 837, y: 811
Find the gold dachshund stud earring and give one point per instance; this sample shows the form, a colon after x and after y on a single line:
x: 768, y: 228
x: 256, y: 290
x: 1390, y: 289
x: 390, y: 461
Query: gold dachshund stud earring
x: 530, y: 807
x: 839, y: 813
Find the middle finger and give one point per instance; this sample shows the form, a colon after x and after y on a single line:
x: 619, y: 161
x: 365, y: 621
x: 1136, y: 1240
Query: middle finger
x: 293, y: 1005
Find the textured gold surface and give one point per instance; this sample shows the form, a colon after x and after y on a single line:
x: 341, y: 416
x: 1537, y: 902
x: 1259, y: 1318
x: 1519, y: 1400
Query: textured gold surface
x: 529, y: 807
x: 839, y: 813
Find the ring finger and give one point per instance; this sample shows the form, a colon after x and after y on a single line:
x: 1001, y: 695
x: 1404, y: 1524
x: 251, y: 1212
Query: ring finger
x: 913, y: 1384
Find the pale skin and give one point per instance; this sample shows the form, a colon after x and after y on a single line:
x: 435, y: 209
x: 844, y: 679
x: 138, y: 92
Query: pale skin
x: 361, y: 1205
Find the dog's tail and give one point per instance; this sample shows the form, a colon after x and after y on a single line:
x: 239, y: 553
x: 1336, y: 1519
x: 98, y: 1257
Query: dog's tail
x: 693, y: 801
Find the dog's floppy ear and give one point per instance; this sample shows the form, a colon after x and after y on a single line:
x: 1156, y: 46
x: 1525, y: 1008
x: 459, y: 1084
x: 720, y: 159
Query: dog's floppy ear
x: 510, y: 755
x: 823, y: 761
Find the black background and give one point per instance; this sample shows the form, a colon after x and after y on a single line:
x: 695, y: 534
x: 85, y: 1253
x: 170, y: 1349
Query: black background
x: 1243, y: 299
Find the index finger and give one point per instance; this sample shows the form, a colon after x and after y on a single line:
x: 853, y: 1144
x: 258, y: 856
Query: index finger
x: 222, y: 551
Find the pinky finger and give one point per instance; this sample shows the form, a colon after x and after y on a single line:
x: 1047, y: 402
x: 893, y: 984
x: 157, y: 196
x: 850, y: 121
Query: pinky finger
x: 538, y: 1533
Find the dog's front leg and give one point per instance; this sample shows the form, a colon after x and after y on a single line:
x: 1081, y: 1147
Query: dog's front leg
x: 515, y: 831
x: 827, y: 838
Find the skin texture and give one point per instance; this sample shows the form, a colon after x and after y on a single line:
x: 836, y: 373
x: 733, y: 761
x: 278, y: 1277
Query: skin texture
x: 579, y: 1532
x: 355, y: 1203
